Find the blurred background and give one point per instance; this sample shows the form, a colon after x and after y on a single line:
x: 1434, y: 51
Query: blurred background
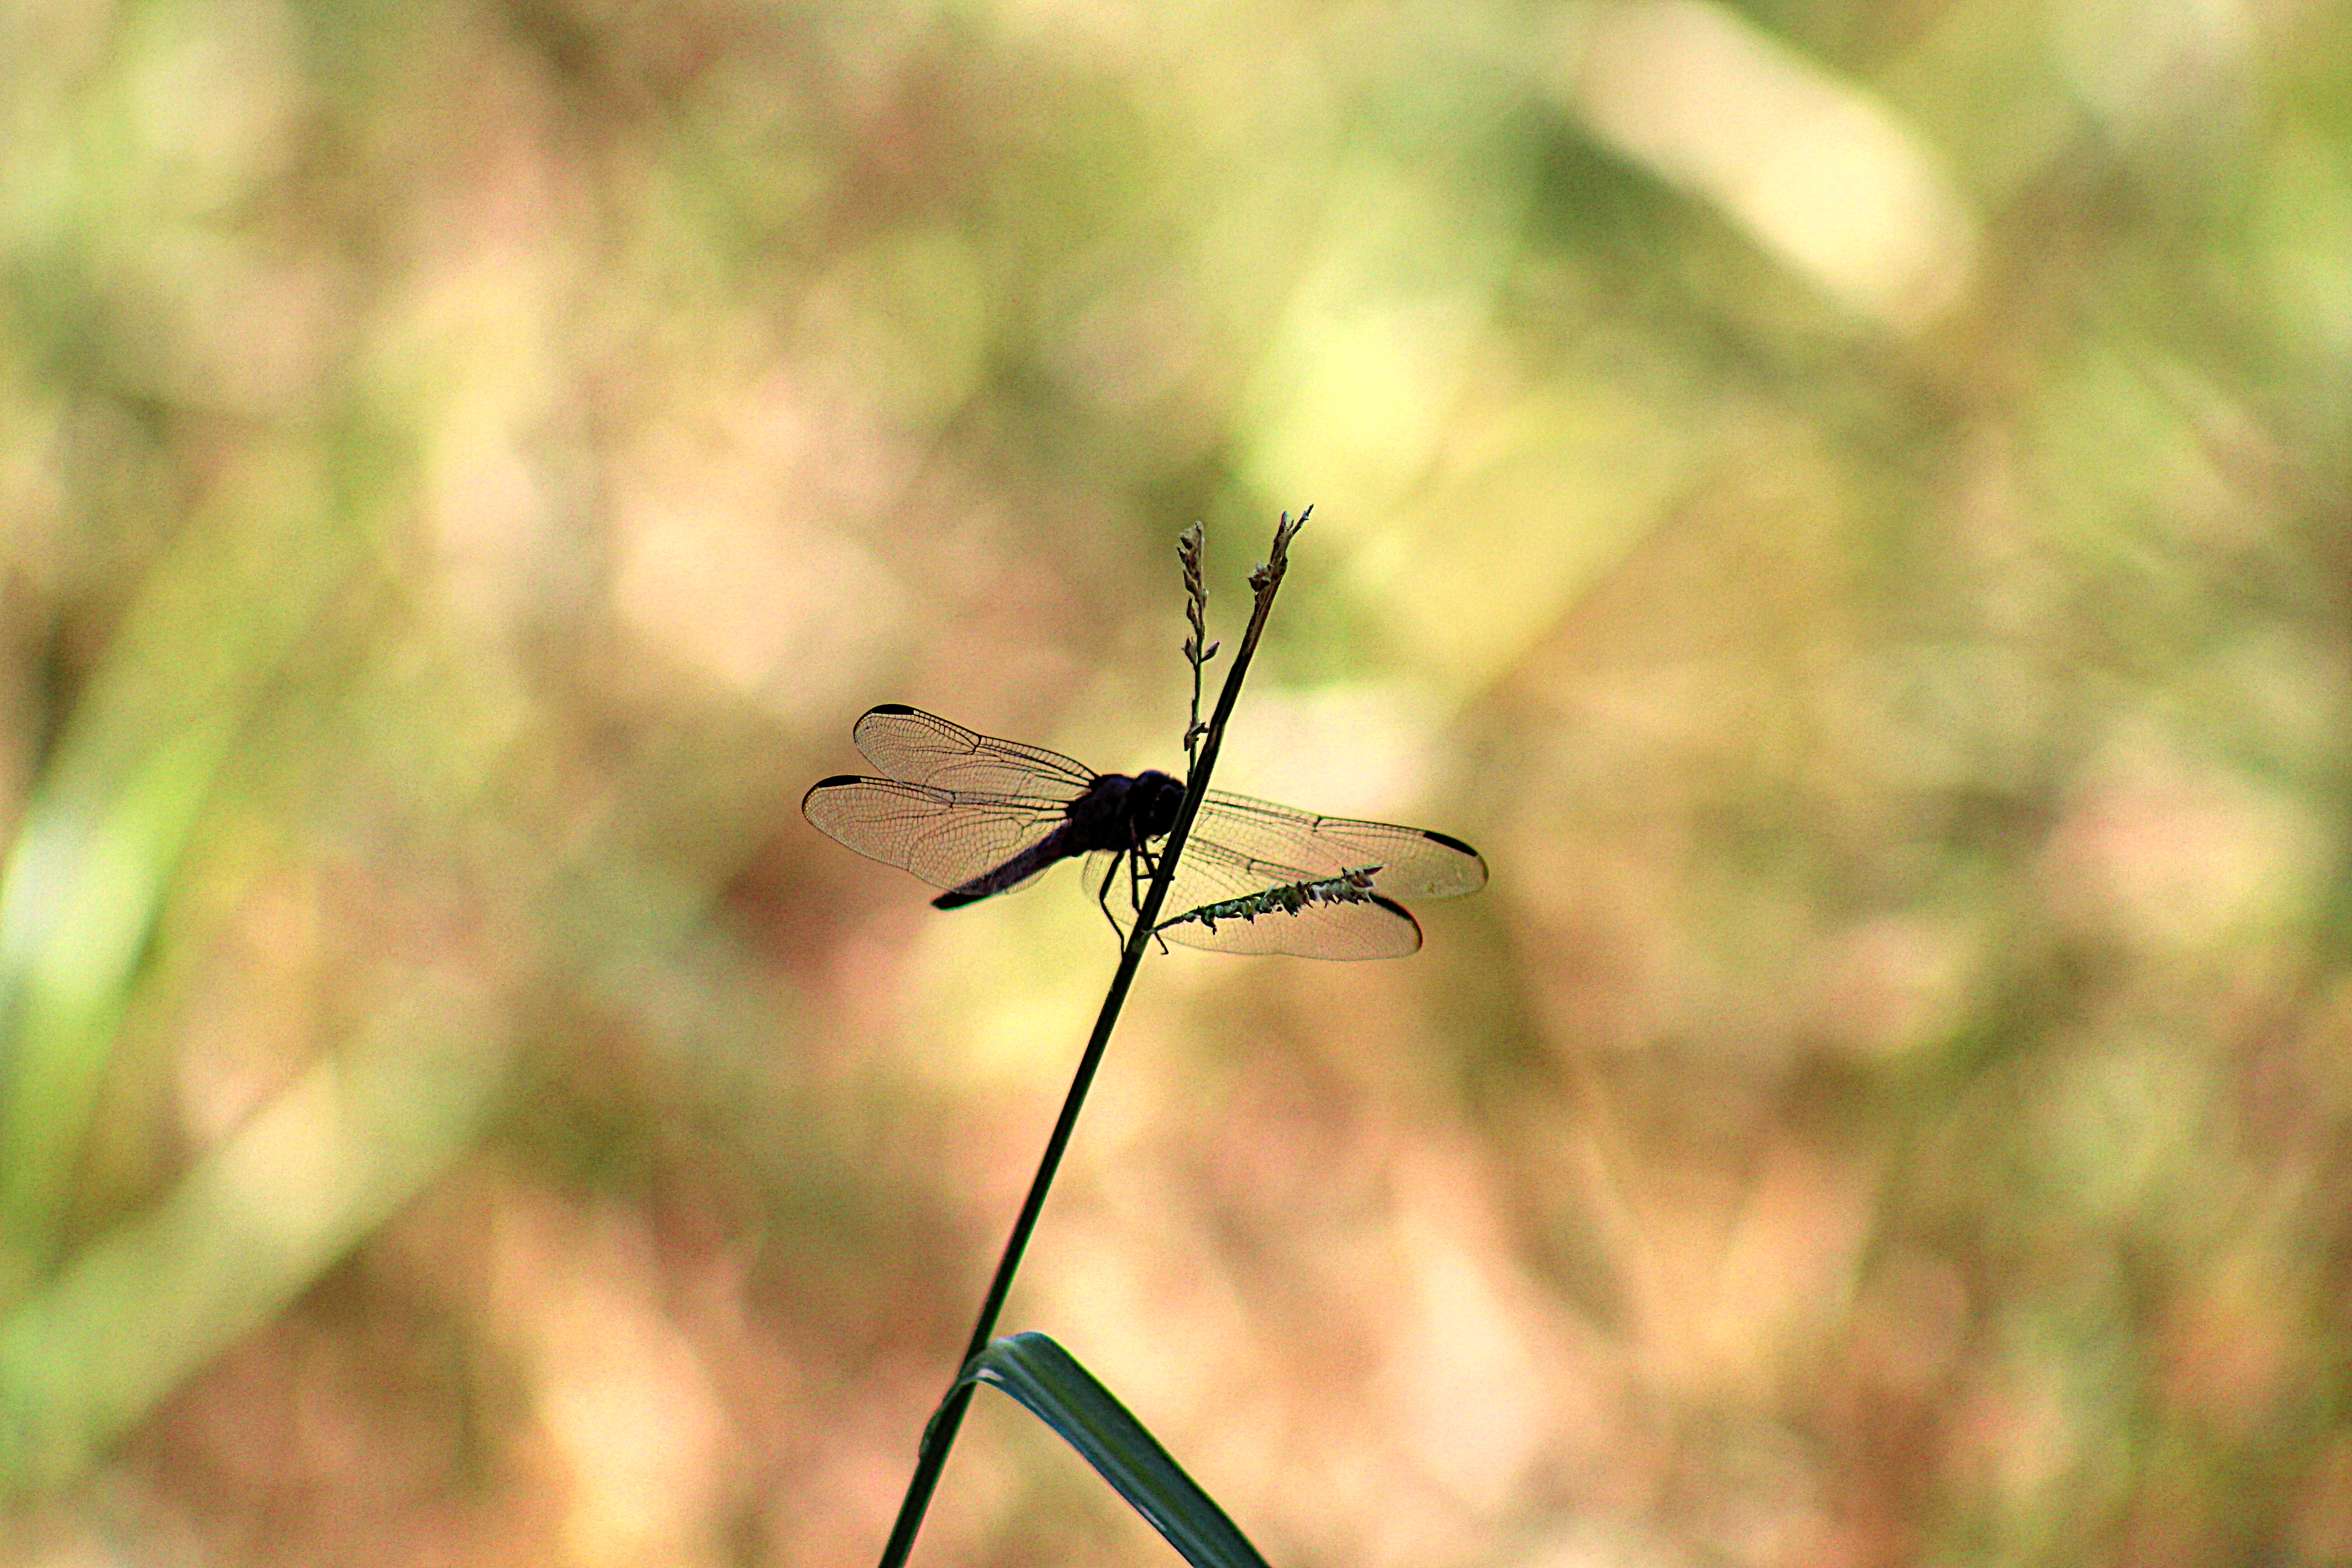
x: 1845, y: 504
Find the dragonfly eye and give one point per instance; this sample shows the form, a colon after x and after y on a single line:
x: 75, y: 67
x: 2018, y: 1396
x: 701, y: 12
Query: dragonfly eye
x: 1157, y: 816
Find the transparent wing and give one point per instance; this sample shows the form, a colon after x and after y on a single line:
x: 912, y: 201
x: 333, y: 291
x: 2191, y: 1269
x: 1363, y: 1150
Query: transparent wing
x: 1242, y: 845
x: 1241, y: 848
x: 946, y: 836
x: 918, y: 748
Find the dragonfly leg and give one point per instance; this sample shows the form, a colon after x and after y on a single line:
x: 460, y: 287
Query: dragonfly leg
x: 1102, y: 894
x: 1142, y: 866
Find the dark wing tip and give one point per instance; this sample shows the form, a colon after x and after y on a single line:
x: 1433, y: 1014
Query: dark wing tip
x: 836, y: 781
x: 894, y: 709
x: 1403, y: 914
x: 1476, y: 859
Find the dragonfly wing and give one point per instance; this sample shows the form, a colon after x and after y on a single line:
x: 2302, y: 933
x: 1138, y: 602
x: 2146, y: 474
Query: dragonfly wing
x: 1243, y: 846
x: 918, y: 748
x: 946, y: 836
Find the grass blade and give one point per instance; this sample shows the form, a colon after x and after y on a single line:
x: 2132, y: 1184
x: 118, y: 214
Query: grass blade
x: 1064, y: 1394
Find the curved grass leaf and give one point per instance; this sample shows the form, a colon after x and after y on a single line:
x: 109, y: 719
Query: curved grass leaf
x: 1046, y: 1378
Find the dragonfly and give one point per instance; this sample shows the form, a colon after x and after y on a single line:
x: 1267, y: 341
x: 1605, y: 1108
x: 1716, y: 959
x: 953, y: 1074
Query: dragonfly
x: 976, y: 817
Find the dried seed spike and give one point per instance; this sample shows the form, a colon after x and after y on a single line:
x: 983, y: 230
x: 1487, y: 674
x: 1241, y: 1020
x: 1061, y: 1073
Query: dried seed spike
x: 1352, y: 886
x: 1277, y: 560
x: 1196, y: 585
x: 1189, y: 552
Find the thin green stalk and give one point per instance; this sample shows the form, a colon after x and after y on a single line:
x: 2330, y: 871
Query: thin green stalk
x: 940, y: 1436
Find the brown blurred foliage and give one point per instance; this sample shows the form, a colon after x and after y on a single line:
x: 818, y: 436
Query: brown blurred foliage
x: 1844, y: 504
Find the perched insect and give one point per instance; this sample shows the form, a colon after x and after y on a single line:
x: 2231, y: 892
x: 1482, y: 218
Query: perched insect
x: 980, y: 816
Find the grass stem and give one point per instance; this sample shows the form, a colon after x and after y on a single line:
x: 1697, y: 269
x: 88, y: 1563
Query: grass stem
x: 940, y: 1436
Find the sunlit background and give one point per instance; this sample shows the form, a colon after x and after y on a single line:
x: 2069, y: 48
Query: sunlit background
x: 1845, y: 504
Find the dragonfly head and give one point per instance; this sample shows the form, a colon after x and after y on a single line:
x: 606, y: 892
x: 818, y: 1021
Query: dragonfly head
x: 1156, y: 796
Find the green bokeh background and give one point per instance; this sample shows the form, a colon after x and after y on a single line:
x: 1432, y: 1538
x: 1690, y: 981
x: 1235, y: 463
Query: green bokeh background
x: 1845, y: 504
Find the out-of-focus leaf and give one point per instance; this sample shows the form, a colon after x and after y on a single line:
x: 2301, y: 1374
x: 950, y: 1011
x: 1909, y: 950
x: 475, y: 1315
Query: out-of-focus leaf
x: 83, y: 889
x: 1046, y: 1378
x: 1817, y: 168
x: 94, y: 860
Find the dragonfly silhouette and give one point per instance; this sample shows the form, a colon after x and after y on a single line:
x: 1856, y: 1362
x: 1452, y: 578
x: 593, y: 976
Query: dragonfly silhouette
x: 980, y: 816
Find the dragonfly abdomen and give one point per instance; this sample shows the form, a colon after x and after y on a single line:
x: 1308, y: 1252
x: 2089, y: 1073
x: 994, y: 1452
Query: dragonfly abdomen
x: 1055, y: 845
